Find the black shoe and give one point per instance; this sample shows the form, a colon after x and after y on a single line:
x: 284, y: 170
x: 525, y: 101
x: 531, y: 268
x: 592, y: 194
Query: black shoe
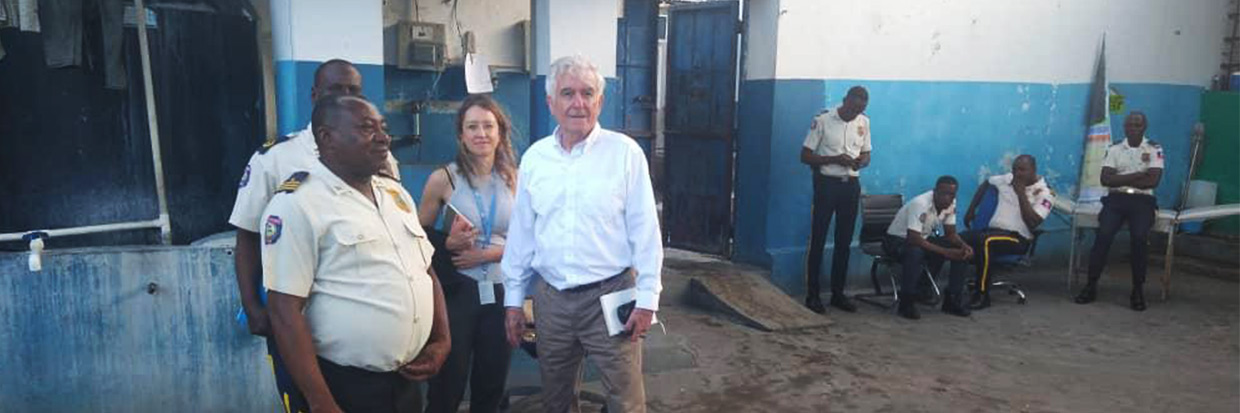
x: 842, y: 302
x: 980, y: 300
x: 951, y: 305
x: 813, y: 303
x: 908, y: 309
x: 1137, y: 300
x: 927, y: 298
x: 1088, y: 294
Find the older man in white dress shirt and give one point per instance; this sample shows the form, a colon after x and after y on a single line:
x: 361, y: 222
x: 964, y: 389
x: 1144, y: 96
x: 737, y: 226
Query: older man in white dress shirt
x: 585, y: 223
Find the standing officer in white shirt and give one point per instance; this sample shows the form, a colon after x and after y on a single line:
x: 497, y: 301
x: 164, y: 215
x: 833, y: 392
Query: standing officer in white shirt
x: 355, y: 307
x: 270, y: 165
x: 1131, y: 170
x: 836, y: 148
x: 585, y: 223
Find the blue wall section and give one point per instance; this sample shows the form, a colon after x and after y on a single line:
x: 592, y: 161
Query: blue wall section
x: 922, y: 130
x: 293, y: 82
x: 88, y: 334
x: 753, y: 164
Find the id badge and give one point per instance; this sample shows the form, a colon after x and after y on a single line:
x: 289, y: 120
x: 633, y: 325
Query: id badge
x: 486, y: 292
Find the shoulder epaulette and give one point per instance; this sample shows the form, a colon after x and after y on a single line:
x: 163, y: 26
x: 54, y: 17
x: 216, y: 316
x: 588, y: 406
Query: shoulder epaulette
x: 273, y: 141
x: 1152, y: 142
x: 293, y: 182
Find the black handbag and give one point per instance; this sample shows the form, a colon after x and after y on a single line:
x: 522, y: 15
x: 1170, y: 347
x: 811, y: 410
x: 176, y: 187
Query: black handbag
x: 450, y: 279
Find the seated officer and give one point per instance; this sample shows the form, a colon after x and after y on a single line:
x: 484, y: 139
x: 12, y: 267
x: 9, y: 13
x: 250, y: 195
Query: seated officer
x: 909, y: 237
x: 1130, y: 170
x: 1024, y: 201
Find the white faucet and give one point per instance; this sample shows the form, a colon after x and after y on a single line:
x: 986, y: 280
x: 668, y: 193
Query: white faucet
x: 36, y: 254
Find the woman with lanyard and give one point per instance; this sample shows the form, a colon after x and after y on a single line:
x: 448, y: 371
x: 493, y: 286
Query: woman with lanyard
x: 479, y: 187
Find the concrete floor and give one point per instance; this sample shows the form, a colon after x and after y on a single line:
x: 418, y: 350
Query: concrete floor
x: 1049, y: 355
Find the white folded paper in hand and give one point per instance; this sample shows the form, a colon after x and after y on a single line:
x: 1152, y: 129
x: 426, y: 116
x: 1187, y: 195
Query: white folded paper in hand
x: 613, y: 301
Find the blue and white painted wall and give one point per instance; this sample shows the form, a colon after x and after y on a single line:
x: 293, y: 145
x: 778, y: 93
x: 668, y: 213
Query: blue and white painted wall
x: 956, y: 88
x: 498, y: 36
x: 306, y: 33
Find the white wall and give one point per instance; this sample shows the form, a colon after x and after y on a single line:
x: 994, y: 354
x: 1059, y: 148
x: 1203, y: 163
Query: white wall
x: 321, y: 30
x: 1155, y: 41
x: 762, y: 29
x: 493, y: 22
x: 584, y: 27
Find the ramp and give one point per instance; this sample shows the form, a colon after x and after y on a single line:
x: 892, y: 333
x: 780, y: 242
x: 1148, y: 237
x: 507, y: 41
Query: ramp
x: 742, y: 292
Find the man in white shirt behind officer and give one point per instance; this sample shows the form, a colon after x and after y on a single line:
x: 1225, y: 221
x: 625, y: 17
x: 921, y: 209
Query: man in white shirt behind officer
x: 1131, y: 170
x: 585, y: 223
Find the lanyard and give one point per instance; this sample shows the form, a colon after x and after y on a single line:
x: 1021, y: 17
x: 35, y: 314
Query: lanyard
x: 487, y: 216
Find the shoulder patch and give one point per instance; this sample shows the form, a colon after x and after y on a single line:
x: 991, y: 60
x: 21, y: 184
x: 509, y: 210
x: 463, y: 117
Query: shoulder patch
x: 293, y: 182
x: 273, y: 141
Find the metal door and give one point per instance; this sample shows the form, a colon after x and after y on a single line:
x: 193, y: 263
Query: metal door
x: 636, y: 58
x: 699, y: 125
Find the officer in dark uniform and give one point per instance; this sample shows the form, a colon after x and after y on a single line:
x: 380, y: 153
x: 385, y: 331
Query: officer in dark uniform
x: 1130, y: 170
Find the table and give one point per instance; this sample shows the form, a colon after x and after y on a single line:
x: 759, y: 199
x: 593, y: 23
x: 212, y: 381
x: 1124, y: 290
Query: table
x: 1166, y: 221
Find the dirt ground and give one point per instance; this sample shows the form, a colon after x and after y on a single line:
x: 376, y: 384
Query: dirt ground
x: 1050, y: 355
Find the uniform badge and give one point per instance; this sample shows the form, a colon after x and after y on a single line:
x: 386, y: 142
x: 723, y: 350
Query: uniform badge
x: 271, y: 233
x: 1160, y: 154
x: 400, y: 202
x: 1046, y: 203
x: 1145, y: 157
x: 813, y: 124
x: 862, y: 130
x: 245, y: 177
x: 922, y: 217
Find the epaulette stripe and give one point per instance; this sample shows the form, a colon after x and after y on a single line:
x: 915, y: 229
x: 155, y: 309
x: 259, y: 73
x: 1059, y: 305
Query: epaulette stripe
x: 273, y: 141
x: 293, y: 182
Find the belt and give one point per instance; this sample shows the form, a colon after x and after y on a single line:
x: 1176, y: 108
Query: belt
x: 845, y: 178
x: 585, y: 287
x: 1126, y: 190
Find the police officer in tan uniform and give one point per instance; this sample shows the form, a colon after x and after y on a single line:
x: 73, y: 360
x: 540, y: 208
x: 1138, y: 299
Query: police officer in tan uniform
x: 1131, y: 170
x: 277, y: 159
x: 356, y: 310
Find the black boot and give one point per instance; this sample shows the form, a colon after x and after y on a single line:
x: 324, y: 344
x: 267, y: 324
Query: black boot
x: 951, y: 305
x: 1088, y: 294
x: 908, y: 308
x: 813, y: 303
x: 841, y: 301
x: 980, y: 300
x: 1137, y: 300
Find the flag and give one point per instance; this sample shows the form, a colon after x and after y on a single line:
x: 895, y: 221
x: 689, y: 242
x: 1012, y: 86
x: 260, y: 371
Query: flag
x: 1098, y: 133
